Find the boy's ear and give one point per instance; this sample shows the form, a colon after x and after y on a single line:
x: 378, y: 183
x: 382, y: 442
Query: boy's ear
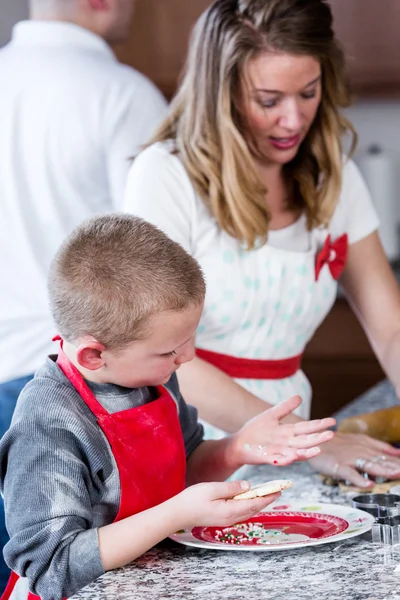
x: 98, y: 4
x: 89, y: 355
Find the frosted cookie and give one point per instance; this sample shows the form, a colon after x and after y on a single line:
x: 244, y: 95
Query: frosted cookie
x: 265, y: 489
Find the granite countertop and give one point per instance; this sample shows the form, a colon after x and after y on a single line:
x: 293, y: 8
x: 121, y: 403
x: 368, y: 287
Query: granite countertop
x: 354, y: 569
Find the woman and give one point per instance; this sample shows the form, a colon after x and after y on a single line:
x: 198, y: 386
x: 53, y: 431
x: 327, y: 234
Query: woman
x: 248, y: 174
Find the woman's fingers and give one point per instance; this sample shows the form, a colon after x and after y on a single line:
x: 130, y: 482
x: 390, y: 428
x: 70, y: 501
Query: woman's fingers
x: 357, y: 442
x: 382, y: 447
x: 382, y: 468
x: 350, y: 474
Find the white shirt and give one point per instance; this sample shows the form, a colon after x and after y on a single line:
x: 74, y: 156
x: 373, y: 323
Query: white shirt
x: 160, y: 190
x: 264, y: 304
x: 71, y: 119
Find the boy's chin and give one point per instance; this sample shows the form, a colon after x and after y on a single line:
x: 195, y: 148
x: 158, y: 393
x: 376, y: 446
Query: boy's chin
x: 166, y: 379
x: 155, y: 382
x: 147, y: 383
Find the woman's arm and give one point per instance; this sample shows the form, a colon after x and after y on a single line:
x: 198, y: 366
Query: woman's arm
x: 220, y: 400
x: 373, y: 293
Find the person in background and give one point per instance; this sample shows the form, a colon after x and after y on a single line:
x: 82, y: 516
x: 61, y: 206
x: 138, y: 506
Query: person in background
x: 112, y: 444
x: 71, y: 117
x: 247, y: 173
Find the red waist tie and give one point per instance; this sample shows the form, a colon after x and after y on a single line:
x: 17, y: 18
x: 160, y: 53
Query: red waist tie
x: 250, y: 368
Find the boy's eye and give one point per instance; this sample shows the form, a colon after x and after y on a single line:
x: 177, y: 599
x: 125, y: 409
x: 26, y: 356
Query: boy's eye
x: 169, y: 354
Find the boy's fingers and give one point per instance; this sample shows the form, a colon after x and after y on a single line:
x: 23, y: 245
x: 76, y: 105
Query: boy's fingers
x: 247, y: 508
x: 282, y: 410
x: 264, y: 501
x: 278, y: 456
x: 306, y: 427
x: 228, y: 489
x: 308, y: 453
x: 313, y: 439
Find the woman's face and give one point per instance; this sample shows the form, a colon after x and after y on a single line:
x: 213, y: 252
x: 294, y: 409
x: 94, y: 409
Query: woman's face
x: 280, y: 95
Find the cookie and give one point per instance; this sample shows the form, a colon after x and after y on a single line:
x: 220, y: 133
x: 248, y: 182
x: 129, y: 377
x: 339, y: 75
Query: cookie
x: 265, y: 489
x: 378, y: 488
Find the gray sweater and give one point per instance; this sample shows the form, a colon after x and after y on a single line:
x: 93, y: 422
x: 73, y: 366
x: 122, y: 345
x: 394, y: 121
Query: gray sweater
x: 60, y: 481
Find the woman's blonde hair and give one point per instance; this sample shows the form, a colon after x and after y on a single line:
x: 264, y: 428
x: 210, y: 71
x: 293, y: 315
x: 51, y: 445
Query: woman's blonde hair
x: 206, y: 125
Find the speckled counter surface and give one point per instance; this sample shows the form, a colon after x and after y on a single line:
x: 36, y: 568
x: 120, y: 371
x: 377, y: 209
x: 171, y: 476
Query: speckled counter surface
x: 354, y: 569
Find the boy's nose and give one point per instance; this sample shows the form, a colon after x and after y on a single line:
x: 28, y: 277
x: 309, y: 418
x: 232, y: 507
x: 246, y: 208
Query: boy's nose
x: 186, y: 354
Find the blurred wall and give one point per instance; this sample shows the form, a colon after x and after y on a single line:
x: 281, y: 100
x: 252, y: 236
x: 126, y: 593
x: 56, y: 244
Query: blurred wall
x: 11, y: 11
x: 377, y: 122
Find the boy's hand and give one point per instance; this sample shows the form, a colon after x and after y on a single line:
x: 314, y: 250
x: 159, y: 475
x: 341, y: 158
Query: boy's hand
x: 208, y: 504
x: 265, y: 440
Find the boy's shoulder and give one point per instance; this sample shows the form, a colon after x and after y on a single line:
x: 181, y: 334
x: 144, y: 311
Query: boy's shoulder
x: 50, y: 398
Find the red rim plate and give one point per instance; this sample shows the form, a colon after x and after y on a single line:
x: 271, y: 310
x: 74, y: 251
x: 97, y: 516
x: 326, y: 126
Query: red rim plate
x: 270, y: 528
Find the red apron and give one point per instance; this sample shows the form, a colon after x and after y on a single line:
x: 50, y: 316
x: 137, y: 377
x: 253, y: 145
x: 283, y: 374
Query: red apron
x: 147, y: 445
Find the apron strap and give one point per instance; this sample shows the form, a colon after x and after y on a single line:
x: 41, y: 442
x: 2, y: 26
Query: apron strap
x: 10, y: 586
x: 73, y: 375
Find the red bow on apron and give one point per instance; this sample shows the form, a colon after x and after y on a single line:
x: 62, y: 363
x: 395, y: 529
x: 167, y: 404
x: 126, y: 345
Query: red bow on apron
x: 333, y: 254
x: 147, y: 445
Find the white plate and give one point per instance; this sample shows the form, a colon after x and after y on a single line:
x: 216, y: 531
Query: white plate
x: 395, y: 489
x: 282, y: 527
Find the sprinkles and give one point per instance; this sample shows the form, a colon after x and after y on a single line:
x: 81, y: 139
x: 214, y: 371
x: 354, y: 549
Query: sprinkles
x: 253, y: 533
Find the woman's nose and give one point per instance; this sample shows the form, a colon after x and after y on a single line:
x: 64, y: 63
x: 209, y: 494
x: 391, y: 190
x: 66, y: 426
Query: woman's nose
x: 291, y: 117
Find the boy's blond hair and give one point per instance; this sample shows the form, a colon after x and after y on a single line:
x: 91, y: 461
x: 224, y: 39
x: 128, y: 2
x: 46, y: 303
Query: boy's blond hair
x: 112, y: 273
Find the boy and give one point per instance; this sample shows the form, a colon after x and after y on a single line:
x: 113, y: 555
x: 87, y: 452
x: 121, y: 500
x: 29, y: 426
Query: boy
x: 95, y: 464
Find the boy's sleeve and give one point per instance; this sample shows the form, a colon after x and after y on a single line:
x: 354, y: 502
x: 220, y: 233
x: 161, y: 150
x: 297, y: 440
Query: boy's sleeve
x: 192, y: 430
x: 48, y: 493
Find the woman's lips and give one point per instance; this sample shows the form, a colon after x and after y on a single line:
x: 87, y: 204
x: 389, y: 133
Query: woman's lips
x: 285, y: 143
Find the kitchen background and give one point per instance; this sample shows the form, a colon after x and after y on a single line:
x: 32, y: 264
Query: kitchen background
x: 370, y: 32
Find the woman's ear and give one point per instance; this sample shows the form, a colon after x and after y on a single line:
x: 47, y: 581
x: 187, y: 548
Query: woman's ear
x: 89, y: 355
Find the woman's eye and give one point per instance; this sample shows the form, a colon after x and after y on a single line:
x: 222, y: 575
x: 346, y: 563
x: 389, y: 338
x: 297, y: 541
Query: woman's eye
x: 309, y: 95
x: 268, y: 103
x: 169, y: 354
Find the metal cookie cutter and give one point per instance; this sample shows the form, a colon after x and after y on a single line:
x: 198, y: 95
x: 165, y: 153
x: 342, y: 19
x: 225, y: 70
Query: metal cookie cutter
x: 386, y: 531
x: 386, y: 510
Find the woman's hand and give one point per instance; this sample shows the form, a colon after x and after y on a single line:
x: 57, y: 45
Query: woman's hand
x: 266, y: 440
x: 208, y: 504
x: 349, y: 453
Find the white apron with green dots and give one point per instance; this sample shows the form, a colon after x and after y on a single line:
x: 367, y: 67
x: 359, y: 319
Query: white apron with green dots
x: 264, y: 304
